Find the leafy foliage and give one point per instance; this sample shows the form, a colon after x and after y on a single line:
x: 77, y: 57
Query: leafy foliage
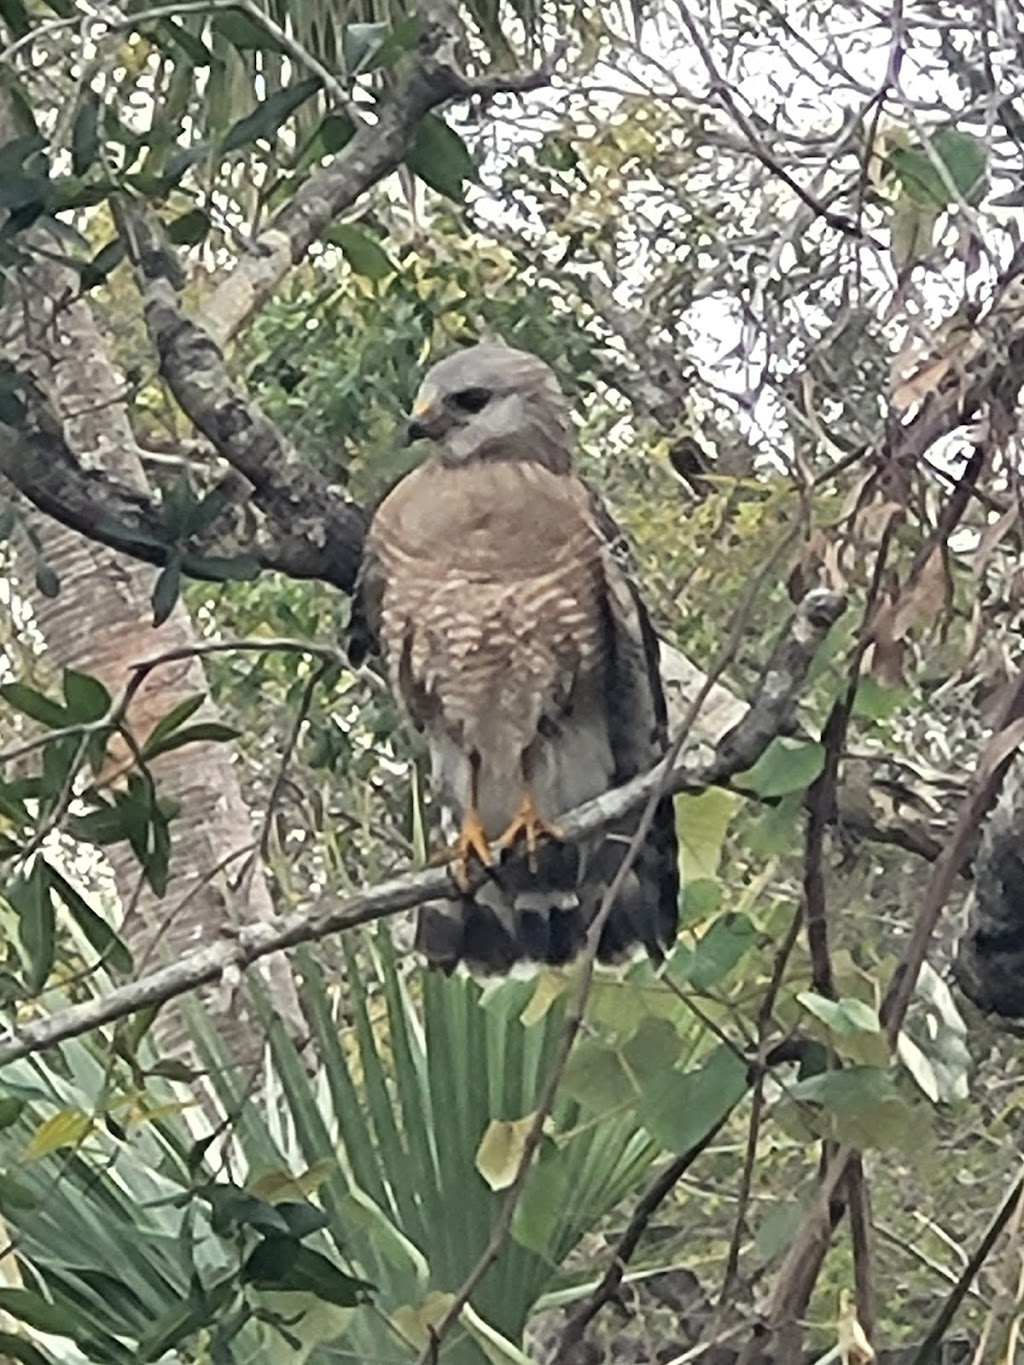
x: 747, y: 299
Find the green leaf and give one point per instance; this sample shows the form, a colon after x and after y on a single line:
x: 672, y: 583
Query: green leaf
x: 107, y: 259
x: 787, y: 765
x: 775, y: 829
x: 267, y: 118
x: 107, y: 825
x: 30, y: 897
x: 21, y: 191
x: 13, y: 409
x: 15, y: 16
x: 775, y: 1227
x: 85, y: 136
x: 364, y: 254
x: 402, y: 38
x: 156, y: 859
x: 244, y: 33
x: 181, y: 160
x: 176, y: 716
x: 854, y: 1087
x: 876, y: 701
x: 173, y: 1069
x: 26, y: 1306
x: 335, y: 131
x: 71, y: 192
x: 15, y: 1197
x: 700, y: 900
x: 189, y: 229
x: 861, y: 1105
x: 196, y: 51
x: 701, y: 822
x: 540, y: 1210
x: 15, y: 153
x: 359, y: 42
x: 10, y: 1110
x: 440, y: 158
x: 178, y: 504
x: 87, y: 699
x: 842, y: 1016
x: 165, y: 592
x: 597, y: 1078
x: 653, y: 1049
x: 47, y: 581
x: 680, y: 1109
x: 206, y: 732
x: 97, y: 931
x: 34, y: 705
x: 185, y: 1319
x: 963, y: 157
x: 719, y: 949
x: 501, y: 1150
x: 20, y: 1348
x: 285, y: 1264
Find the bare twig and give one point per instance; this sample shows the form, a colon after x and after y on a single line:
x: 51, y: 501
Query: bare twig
x: 720, y: 89
x: 928, y: 1350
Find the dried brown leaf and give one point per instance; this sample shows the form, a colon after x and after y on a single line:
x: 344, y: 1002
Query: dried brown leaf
x: 991, y: 536
x: 872, y: 520
x: 922, y: 382
x: 927, y: 594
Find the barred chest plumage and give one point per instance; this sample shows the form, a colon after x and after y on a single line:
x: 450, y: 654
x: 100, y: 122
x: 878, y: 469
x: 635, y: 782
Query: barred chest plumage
x: 493, y: 602
x: 491, y: 624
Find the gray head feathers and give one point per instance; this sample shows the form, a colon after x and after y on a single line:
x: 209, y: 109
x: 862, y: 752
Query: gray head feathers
x: 494, y: 403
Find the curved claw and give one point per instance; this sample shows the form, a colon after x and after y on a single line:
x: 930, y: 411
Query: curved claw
x: 471, y: 843
x: 529, y: 826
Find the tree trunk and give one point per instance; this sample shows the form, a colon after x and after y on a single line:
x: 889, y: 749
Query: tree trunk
x: 101, y: 624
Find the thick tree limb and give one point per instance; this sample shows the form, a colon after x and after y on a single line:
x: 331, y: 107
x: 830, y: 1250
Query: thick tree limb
x: 373, y: 151
x: 769, y: 714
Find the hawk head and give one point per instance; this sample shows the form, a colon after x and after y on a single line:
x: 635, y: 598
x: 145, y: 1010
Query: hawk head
x: 493, y: 403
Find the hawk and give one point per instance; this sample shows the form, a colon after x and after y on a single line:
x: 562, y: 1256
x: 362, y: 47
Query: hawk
x: 493, y: 587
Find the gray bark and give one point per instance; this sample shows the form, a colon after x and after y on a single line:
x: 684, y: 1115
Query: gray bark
x: 101, y: 624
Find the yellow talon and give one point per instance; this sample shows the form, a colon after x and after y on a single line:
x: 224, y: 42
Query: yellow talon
x: 472, y: 841
x: 531, y: 827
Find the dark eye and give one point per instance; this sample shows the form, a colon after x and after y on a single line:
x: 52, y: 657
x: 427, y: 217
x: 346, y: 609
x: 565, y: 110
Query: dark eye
x: 471, y: 400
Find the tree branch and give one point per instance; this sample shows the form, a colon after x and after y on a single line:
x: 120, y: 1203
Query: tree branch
x: 769, y: 714
x: 650, y: 1201
x: 802, y: 1262
x: 372, y: 152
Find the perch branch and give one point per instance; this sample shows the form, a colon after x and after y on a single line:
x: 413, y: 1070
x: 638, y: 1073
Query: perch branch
x: 738, y: 750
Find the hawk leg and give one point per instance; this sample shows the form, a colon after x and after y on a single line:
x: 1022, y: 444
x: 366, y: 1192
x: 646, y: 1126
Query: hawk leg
x: 529, y: 826
x: 471, y: 840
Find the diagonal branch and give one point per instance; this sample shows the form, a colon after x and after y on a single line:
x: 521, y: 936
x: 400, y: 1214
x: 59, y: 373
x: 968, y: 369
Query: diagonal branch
x: 373, y: 151
x: 769, y: 715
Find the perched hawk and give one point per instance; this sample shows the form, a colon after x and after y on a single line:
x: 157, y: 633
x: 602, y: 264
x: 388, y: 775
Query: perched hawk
x: 494, y: 589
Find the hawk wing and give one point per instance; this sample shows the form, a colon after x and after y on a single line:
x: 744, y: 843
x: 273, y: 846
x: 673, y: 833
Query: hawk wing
x: 646, y: 908
x: 364, y: 620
